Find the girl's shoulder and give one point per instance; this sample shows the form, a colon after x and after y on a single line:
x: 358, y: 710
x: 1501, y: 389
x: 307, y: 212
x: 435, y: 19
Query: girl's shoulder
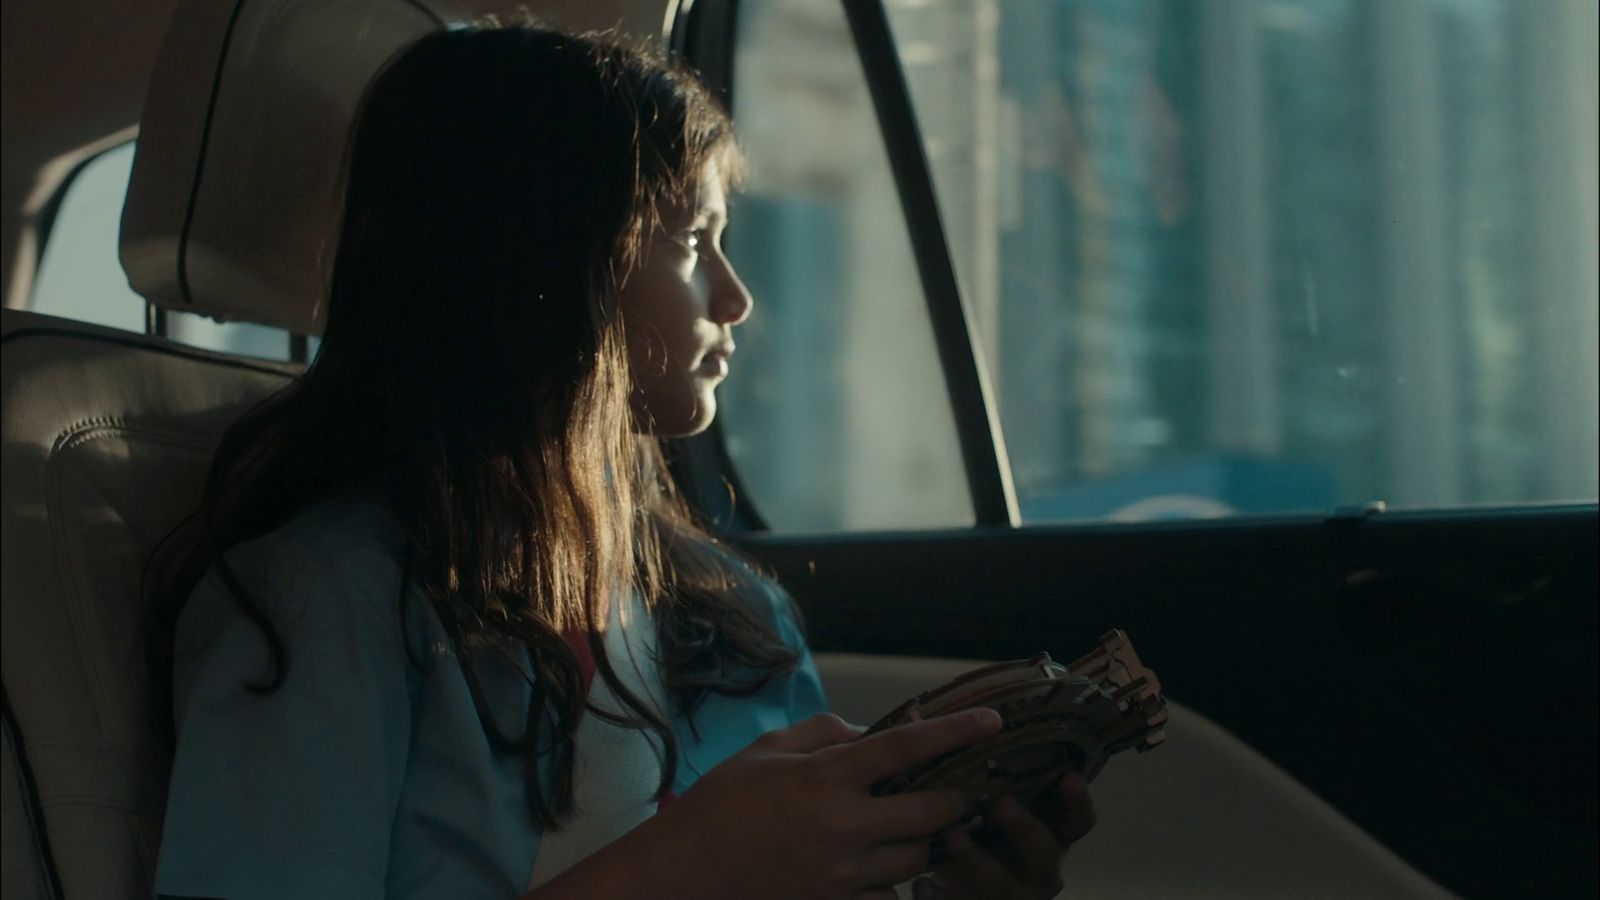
x: 347, y: 526
x: 770, y: 601
x: 347, y: 546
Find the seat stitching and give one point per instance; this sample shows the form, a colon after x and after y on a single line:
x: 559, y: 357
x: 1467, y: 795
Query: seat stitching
x: 107, y: 746
x: 147, y: 853
x: 69, y: 588
x: 96, y: 800
x: 76, y: 435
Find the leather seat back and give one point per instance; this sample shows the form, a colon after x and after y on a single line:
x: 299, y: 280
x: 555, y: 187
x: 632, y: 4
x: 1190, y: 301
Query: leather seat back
x: 107, y: 439
x: 232, y: 211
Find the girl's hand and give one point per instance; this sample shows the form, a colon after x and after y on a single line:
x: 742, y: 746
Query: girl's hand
x: 792, y: 816
x: 1026, y: 863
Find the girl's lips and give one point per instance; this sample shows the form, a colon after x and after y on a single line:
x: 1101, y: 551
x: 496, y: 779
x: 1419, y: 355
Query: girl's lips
x: 715, y: 361
x: 714, y: 364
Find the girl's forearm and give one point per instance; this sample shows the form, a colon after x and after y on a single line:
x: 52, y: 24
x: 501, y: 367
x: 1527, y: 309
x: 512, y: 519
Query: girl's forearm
x: 651, y: 861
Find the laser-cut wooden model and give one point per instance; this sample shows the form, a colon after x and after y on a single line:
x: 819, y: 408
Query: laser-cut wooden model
x: 1057, y: 719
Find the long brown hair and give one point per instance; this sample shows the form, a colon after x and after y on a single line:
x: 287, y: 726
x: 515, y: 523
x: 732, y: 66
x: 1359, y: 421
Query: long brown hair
x: 473, y: 374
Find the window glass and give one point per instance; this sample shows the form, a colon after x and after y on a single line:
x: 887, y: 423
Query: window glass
x: 1272, y: 255
x: 837, y: 413
x: 80, y: 276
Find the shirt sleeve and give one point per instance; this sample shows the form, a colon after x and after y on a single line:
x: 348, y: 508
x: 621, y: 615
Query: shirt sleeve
x: 291, y: 793
x: 725, y: 724
x: 805, y: 694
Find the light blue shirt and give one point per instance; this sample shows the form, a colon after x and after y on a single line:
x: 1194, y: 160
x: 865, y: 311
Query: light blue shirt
x: 363, y: 777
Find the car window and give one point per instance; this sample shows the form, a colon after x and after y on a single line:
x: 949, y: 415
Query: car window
x: 1272, y: 255
x: 837, y: 415
x: 80, y: 277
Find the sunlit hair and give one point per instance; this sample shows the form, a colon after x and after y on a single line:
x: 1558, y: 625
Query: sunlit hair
x: 473, y: 376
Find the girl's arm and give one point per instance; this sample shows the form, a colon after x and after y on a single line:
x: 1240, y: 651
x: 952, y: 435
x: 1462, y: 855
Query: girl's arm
x: 638, y: 864
x: 791, y: 817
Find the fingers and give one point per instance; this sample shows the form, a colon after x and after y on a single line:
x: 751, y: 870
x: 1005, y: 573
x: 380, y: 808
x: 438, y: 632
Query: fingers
x: 973, y: 872
x: 1025, y: 863
x: 1031, y: 852
x: 891, y: 752
x: 915, y: 814
x: 811, y: 735
x: 1076, y: 816
x: 894, y: 863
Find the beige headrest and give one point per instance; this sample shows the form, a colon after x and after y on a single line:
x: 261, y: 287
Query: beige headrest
x: 236, y: 197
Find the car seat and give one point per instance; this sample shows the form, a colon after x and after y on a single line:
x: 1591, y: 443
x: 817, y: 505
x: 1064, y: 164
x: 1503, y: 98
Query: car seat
x: 107, y: 438
x: 232, y: 208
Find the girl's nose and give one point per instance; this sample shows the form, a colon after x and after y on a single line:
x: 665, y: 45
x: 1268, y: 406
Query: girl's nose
x: 730, y: 299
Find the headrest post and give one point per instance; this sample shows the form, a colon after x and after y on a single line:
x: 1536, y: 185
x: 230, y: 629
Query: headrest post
x: 155, y: 320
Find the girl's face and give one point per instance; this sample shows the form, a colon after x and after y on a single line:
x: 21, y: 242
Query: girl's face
x: 679, y: 309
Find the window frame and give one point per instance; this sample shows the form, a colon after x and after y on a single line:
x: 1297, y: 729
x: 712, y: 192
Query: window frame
x: 156, y: 320
x: 703, y: 33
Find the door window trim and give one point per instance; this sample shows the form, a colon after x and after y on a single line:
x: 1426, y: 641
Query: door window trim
x: 977, y: 416
x: 702, y: 33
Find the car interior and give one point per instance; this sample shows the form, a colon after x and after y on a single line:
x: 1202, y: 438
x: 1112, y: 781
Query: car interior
x: 1364, y: 699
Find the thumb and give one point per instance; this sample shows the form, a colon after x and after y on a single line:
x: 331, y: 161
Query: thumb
x: 811, y: 735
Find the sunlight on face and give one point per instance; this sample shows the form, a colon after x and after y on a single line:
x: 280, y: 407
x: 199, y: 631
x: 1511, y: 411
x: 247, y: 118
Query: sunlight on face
x: 678, y: 310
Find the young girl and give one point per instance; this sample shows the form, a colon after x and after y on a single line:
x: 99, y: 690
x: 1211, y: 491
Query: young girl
x: 441, y: 626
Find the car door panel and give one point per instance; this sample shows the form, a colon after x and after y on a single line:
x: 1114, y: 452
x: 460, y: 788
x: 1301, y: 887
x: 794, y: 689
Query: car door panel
x: 1432, y: 677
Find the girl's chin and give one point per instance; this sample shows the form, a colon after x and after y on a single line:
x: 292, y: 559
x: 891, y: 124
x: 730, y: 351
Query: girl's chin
x: 704, y: 412
x: 685, y: 419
